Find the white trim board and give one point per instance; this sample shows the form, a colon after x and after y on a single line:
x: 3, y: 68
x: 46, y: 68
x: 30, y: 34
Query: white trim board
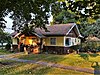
x: 70, y: 29
x: 77, y: 30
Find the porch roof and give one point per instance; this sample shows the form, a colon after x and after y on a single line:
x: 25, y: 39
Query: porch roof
x: 15, y: 34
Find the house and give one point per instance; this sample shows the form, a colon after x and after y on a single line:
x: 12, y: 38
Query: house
x: 58, y: 39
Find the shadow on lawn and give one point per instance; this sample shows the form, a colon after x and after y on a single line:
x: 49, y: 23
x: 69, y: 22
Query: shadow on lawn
x: 54, y: 58
x: 36, y: 70
x: 85, y: 56
x: 7, y: 63
x: 96, y: 66
x: 94, y: 55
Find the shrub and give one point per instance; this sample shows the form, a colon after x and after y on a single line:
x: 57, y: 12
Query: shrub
x: 8, y: 46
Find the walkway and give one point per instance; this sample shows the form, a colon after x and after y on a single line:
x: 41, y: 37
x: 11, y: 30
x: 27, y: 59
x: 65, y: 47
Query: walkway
x: 11, y: 57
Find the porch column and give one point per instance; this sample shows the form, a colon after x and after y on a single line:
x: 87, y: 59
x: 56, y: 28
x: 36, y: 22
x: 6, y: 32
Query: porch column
x: 41, y: 44
x: 64, y: 40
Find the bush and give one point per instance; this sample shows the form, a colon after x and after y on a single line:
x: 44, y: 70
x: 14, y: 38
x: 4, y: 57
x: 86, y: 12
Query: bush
x: 98, y: 49
x: 8, y: 46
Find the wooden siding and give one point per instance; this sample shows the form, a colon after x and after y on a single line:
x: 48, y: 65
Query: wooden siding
x: 14, y: 41
x: 73, y: 33
x: 59, y: 41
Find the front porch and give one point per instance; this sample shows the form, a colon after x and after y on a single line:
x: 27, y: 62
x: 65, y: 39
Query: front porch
x: 28, y: 43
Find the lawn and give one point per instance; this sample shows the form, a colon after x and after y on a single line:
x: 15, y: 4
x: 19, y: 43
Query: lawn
x: 82, y: 60
x: 16, y: 68
x: 2, y: 52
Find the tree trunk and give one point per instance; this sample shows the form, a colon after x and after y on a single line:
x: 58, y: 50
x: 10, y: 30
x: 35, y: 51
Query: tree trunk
x: 2, y: 45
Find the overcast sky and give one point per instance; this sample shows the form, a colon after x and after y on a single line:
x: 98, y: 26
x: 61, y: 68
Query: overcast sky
x: 8, y: 25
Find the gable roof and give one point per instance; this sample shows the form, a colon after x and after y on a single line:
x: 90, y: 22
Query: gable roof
x: 57, y: 29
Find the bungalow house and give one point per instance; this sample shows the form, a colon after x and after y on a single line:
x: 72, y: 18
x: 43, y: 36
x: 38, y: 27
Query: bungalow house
x: 58, y: 39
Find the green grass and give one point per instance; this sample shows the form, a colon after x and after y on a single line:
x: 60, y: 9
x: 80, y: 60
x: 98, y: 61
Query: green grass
x: 79, y: 60
x: 2, y: 52
x: 34, y: 69
x: 82, y: 60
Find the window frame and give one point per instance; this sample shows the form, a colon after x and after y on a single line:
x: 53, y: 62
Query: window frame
x: 70, y: 43
x: 52, y: 41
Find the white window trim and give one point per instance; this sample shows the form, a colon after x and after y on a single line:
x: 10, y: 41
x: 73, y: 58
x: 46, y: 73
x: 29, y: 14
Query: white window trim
x: 71, y: 29
x: 65, y: 41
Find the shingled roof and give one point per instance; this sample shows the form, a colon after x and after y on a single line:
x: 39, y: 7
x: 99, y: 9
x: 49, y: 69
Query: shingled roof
x: 57, y: 29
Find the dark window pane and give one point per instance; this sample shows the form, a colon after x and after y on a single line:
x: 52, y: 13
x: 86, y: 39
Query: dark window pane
x: 68, y: 41
x: 53, y: 41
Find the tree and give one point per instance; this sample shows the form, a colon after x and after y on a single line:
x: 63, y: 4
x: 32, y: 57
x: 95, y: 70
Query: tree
x: 1, y: 34
x: 90, y: 29
x: 64, y: 17
x: 83, y: 8
x: 5, y: 38
x: 38, y: 11
x: 26, y: 11
x: 86, y: 24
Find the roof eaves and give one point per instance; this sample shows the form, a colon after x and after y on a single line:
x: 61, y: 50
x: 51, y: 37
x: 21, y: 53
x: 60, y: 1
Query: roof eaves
x: 17, y: 35
x: 38, y: 35
x: 79, y: 32
x: 71, y: 29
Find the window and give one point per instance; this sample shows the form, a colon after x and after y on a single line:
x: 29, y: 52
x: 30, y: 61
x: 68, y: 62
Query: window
x: 68, y: 41
x: 53, y: 41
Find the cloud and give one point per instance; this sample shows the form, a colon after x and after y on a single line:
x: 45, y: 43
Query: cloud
x: 8, y: 25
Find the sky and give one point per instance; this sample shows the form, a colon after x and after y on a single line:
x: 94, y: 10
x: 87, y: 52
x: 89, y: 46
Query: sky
x: 8, y: 25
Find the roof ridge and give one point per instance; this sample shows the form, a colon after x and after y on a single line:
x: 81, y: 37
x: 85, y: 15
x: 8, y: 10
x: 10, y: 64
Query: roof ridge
x: 61, y: 24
